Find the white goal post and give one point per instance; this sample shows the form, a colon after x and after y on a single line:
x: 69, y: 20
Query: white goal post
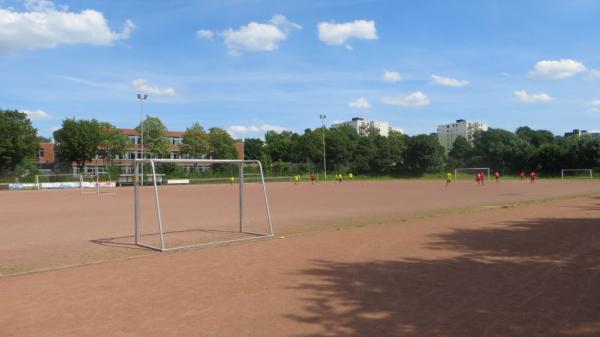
x: 472, y: 170
x: 240, y: 181
x: 586, y: 173
x: 94, y: 184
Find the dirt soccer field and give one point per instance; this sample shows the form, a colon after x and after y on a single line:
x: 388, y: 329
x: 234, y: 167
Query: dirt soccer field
x: 386, y: 258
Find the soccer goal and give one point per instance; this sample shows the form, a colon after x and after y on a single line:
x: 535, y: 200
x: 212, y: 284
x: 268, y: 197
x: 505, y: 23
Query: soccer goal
x: 469, y: 172
x: 99, y: 183
x: 193, y: 209
x: 57, y: 181
x: 576, y: 174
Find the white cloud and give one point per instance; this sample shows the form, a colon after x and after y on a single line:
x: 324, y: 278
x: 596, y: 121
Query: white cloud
x: 593, y: 106
x: 415, y: 99
x: 38, y: 5
x: 449, y: 82
x: 245, y: 130
x: 55, y: 128
x: 37, y: 115
x: 391, y: 76
x: 272, y: 127
x: 524, y: 96
x: 557, y: 69
x: 360, y: 103
x: 45, y: 26
x: 283, y: 23
x: 205, y: 34
x: 595, y: 73
x: 256, y: 37
x: 141, y: 85
x: 337, y: 34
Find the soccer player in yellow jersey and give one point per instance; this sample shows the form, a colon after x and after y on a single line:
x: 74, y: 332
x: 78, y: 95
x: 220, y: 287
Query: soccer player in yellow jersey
x: 448, y: 179
x: 296, y: 179
x: 350, y: 176
x: 232, y: 180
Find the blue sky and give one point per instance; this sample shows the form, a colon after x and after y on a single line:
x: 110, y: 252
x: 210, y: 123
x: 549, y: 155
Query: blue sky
x: 250, y: 65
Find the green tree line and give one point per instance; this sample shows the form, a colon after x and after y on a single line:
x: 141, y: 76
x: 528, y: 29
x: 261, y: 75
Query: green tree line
x: 398, y: 154
x: 286, y: 152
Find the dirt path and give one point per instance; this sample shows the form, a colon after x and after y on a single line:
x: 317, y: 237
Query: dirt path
x: 522, y: 271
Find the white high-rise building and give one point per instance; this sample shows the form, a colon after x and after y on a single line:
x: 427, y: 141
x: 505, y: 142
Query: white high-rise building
x: 448, y: 133
x: 362, y: 127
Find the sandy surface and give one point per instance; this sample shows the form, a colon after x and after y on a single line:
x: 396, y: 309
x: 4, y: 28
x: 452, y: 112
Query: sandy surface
x: 529, y: 270
x: 47, y: 229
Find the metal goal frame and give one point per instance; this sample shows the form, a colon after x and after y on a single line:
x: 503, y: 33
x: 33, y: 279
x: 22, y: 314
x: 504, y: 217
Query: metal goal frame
x: 96, y: 184
x: 474, y: 169
x: 162, y: 248
x: 562, y: 173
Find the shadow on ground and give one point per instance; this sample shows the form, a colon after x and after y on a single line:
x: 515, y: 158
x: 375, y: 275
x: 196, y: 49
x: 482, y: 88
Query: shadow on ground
x: 199, y: 234
x: 533, y: 278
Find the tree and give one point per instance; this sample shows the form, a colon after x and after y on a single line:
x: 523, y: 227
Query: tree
x: 156, y: 143
x: 309, y: 147
x: 221, y: 145
x: 381, y: 161
x: 342, y: 143
x: 362, y: 156
x: 398, y: 145
x: 42, y: 139
x: 253, y: 148
x: 550, y: 157
x: 113, y: 142
x: 424, y: 154
x: 18, y: 140
x: 502, y: 150
x: 195, y: 141
x: 279, y: 145
x: 461, y: 152
x: 78, y: 141
x: 536, y: 138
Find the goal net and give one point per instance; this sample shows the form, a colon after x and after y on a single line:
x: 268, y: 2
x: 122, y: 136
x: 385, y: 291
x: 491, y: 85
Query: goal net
x: 184, y: 214
x: 576, y: 174
x: 57, y: 181
x: 468, y: 173
x: 99, y: 183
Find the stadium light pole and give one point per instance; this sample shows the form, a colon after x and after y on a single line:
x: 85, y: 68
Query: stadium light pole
x: 322, y: 117
x: 142, y: 98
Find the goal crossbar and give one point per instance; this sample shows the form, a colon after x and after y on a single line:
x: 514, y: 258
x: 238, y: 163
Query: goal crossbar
x: 589, y: 171
x: 472, y: 169
x: 162, y: 248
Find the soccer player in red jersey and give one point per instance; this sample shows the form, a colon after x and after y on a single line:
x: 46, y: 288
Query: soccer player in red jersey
x: 497, y: 176
x: 532, y: 177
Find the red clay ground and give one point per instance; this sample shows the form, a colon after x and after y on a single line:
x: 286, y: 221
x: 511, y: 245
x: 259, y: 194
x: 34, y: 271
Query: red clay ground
x: 525, y: 270
x: 48, y: 229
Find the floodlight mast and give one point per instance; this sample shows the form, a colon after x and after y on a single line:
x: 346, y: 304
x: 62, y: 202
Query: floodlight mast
x: 142, y: 98
x: 322, y: 117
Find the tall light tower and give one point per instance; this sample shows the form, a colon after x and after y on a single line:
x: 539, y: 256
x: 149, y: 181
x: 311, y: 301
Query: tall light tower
x: 322, y: 117
x: 142, y: 98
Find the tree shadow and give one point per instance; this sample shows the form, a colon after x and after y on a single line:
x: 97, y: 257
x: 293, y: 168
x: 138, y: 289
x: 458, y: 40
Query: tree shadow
x: 531, y: 278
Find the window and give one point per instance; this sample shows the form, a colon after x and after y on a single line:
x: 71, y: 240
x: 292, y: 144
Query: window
x: 40, y: 152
